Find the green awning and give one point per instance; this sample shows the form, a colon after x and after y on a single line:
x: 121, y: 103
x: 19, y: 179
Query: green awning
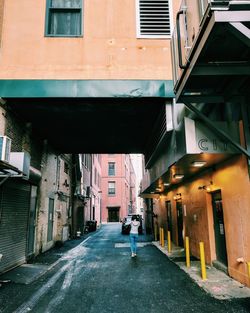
x: 86, y: 88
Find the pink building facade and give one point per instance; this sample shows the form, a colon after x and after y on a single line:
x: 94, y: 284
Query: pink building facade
x: 118, y: 187
x: 95, y: 200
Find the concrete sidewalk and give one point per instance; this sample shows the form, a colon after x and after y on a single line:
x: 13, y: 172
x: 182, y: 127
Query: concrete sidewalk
x: 218, y: 284
x: 41, y: 264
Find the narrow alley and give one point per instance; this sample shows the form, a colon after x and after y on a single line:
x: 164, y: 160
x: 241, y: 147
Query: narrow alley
x: 97, y: 274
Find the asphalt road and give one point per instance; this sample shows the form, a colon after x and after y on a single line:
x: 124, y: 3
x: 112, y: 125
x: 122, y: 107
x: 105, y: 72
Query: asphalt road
x: 99, y: 276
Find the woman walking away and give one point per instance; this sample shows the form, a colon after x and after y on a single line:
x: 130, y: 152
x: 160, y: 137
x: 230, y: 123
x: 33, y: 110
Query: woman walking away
x: 135, y: 223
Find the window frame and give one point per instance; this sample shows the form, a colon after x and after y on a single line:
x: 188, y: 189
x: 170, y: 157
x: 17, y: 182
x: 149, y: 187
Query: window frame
x: 47, y: 19
x: 138, y: 23
x: 111, y: 169
x: 109, y: 189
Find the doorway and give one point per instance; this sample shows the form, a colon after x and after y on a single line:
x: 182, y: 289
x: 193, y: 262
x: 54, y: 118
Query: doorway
x: 80, y: 219
x: 32, y: 221
x: 50, y: 220
x: 219, y: 229
x: 113, y: 214
x: 179, y: 222
x: 169, y: 216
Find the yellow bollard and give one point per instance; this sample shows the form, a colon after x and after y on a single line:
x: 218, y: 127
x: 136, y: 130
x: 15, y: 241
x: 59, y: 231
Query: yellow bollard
x: 187, y: 252
x: 162, y: 237
x: 248, y: 268
x: 169, y: 242
x: 203, y: 264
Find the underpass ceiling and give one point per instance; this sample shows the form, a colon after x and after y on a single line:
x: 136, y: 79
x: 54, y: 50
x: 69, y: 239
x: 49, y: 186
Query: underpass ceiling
x: 91, y: 125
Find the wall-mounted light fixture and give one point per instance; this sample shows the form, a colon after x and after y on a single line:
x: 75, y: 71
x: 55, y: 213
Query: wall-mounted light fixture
x: 208, y: 188
x: 199, y: 163
x: 177, y: 196
x: 166, y: 184
x: 178, y: 176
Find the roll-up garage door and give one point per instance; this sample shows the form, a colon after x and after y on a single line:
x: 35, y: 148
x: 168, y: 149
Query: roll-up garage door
x: 14, y: 212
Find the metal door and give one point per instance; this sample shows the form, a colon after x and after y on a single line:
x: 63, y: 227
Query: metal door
x: 32, y: 221
x: 50, y: 220
x: 14, y: 214
x: 169, y: 216
x: 113, y: 215
x: 80, y: 219
x: 179, y: 222
x: 219, y: 230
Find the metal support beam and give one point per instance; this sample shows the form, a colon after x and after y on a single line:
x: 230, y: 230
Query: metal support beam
x: 4, y: 179
x: 241, y: 32
x: 203, y: 99
x: 219, y: 132
x: 246, y: 124
x: 222, y: 68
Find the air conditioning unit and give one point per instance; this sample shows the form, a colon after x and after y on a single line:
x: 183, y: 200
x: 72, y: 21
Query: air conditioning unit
x: 21, y: 160
x: 5, y: 145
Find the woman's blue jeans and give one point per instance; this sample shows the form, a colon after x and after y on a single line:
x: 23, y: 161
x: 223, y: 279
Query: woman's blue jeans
x: 133, y: 240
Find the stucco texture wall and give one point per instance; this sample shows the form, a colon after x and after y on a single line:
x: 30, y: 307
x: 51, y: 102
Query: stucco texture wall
x: 231, y: 179
x: 108, y: 49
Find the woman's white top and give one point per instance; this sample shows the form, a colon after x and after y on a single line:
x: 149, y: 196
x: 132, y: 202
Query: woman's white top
x: 134, y: 227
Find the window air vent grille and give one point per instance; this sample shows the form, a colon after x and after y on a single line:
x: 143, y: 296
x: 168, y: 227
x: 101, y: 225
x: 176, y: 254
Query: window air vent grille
x: 154, y: 18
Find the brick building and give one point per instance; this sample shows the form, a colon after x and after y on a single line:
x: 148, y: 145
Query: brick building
x: 118, y: 187
x: 36, y: 201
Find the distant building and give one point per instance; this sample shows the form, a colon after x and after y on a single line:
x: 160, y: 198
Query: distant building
x: 118, y: 187
x: 137, y: 161
x: 95, y: 197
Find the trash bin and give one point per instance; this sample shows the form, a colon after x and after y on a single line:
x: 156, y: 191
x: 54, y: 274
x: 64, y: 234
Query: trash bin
x: 91, y: 225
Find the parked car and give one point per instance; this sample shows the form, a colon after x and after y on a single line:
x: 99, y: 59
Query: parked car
x: 126, y: 223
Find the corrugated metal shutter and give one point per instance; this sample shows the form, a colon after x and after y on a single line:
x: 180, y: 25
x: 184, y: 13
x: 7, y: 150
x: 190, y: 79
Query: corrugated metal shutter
x: 14, y: 212
x: 154, y: 18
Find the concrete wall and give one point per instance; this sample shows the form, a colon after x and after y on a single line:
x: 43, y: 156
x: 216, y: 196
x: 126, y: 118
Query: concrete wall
x: 1, y: 19
x: 53, y: 186
x: 108, y: 49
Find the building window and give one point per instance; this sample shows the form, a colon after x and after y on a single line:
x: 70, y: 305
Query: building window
x: 153, y: 18
x: 111, y: 188
x: 64, y: 18
x: 66, y: 167
x: 111, y: 168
